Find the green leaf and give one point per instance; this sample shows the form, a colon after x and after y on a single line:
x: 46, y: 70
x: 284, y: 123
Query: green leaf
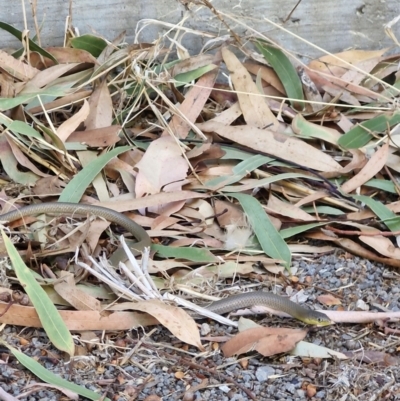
x: 185, y: 77
x: 285, y: 71
x: 269, y: 238
x: 384, y: 185
x: 307, y: 129
x: 323, y: 210
x: 75, y: 189
x: 23, y: 128
x: 235, y: 154
x: 386, y: 215
x: 92, y: 44
x: 290, y: 232
x: 266, y: 181
x: 32, y: 45
x: 38, y: 370
x: 10, y: 165
x: 193, y: 254
x: 360, y: 135
x: 10, y: 103
x: 239, y: 171
x: 51, y: 320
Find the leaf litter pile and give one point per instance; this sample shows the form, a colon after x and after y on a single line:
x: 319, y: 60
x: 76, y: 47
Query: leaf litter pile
x: 243, y: 163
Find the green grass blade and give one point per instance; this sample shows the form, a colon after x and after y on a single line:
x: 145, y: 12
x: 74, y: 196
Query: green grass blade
x: 92, y: 44
x: 185, y: 253
x: 32, y: 45
x: 386, y: 215
x: 75, y: 189
x: 51, y: 320
x: 43, y: 374
x: 285, y: 71
x: 290, y: 232
x: 360, y: 135
x: 269, y: 238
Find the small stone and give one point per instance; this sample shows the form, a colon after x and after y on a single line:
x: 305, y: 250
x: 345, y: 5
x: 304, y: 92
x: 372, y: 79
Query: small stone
x: 264, y: 372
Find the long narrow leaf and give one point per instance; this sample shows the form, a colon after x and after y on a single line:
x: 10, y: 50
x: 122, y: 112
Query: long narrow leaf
x: 51, y: 320
x: 269, y: 238
x: 38, y: 370
x: 361, y: 134
x: 285, y: 71
x: 77, y: 186
x: 32, y: 45
x: 386, y: 215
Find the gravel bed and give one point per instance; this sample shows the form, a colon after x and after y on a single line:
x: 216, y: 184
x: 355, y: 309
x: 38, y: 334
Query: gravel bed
x: 162, y: 368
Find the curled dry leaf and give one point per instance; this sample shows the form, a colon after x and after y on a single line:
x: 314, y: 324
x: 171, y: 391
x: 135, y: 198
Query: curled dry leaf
x: 265, y: 340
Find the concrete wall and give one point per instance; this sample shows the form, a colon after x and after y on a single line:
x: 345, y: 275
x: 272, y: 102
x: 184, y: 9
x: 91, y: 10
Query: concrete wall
x: 332, y: 24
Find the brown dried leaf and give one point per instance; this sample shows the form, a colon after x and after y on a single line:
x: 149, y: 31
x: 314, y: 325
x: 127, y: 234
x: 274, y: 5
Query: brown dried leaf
x: 267, y: 74
x: 275, y: 205
x: 47, y: 76
x: 48, y: 186
x: 373, y: 166
x: 266, y: 340
x: 328, y: 299
x: 276, y: 144
x: 66, y: 55
x: 175, y: 319
x: 101, y: 108
x: 378, y: 358
x: 383, y: 245
x: 123, y: 205
x: 70, y: 125
x: 193, y: 105
x: 255, y: 109
x: 79, y: 299
x: 78, y: 320
x: 16, y: 68
x: 97, y: 138
x: 161, y: 165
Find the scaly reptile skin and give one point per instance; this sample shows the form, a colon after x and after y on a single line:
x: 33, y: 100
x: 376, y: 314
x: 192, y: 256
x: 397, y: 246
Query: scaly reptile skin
x: 61, y: 208
x: 235, y: 302
x: 273, y: 301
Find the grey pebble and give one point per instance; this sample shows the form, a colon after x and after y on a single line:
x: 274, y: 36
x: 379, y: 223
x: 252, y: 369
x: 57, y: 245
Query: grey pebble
x: 263, y: 372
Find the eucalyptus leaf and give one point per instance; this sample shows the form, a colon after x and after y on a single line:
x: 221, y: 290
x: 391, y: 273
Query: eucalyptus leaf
x: 53, y: 324
x: 75, y: 189
x: 269, y: 238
